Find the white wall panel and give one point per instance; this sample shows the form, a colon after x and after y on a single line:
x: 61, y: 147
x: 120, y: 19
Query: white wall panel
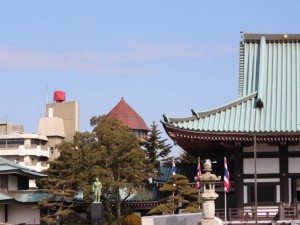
x: 263, y: 165
x: 295, y: 148
x: 294, y: 165
x: 261, y: 148
x: 12, y: 183
x: 277, y: 193
x: 245, y: 194
x: 262, y: 180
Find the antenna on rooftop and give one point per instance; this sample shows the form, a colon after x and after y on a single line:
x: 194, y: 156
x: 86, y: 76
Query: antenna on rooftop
x: 6, y: 118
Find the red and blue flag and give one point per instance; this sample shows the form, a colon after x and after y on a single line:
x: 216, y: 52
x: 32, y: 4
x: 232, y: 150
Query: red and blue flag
x: 226, y: 176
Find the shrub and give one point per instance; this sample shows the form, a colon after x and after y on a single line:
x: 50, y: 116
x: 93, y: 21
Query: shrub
x: 73, y: 220
x: 132, y: 219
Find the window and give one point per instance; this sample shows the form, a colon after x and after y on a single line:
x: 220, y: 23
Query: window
x: 266, y: 193
x: 9, y: 143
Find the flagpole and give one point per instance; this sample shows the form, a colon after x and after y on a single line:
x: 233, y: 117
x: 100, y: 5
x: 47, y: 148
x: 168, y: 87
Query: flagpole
x: 173, y: 173
x: 199, y: 174
x: 226, y: 186
x: 198, y: 182
x: 225, y: 200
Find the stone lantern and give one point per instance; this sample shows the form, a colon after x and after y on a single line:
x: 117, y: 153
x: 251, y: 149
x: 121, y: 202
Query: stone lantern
x: 209, y: 195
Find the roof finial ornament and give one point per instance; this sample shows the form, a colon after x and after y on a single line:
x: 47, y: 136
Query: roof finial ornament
x: 195, y: 114
x: 166, y: 119
x: 259, y: 103
x: 242, y: 35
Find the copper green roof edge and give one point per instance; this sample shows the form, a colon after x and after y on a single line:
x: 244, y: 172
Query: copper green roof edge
x: 26, y: 196
x: 32, y: 175
x: 210, y: 112
x: 7, y: 166
x: 4, y: 197
x: 30, y: 197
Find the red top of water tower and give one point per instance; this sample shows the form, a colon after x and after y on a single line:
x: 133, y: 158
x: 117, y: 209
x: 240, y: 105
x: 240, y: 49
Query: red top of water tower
x: 59, y: 96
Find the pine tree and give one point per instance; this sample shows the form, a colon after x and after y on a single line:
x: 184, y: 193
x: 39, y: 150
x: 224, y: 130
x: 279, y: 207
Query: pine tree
x: 111, y: 153
x: 123, y: 160
x: 180, y: 193
x: 156, y: 147
x: 60, y: 185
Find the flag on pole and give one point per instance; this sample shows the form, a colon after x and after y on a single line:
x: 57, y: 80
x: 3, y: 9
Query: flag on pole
x: 198, y: 173
x: 173, y: 173
x: 173, y: 167
x: 226, y: 176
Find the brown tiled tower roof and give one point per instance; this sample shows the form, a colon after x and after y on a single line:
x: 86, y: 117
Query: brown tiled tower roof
x: 123, y: 112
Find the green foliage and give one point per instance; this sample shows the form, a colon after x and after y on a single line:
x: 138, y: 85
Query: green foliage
x: 60, y: 185
x: 123, y: 160
x: 74, y: 220
x: 165, y: 208
x: 184, y: 195
x: 132, y: 219
x: 113, y: 154
x: 156, y: 147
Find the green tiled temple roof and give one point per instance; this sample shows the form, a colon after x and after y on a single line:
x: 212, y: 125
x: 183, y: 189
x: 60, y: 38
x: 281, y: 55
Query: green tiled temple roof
x: 269, y: 70
x: 8, y: 167
x: 23, y: 196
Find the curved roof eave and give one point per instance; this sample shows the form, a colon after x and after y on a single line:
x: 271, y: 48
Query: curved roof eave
x: 175, y: 133
x: 198, y: 115
x: 8, y: 167
x: 241, y: 116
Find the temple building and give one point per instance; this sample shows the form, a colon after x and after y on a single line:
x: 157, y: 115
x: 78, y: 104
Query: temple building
x: 259, y: 133
x: 19, y: 204
x: 130, y: 118
x: 24, y: 149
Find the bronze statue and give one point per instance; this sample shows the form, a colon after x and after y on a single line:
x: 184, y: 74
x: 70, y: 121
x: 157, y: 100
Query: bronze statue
x: 97, y: 190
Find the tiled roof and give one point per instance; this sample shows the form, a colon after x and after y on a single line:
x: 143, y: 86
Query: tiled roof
x: 270, y: 71
x: 8, y: 167
x: 123, y: 112
x: 188, y: 170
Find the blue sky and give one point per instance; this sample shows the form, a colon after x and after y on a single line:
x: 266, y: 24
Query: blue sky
x: 163, y: 57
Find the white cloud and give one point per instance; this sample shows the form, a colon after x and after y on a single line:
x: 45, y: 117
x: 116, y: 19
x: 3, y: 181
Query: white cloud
x: 103, y: 62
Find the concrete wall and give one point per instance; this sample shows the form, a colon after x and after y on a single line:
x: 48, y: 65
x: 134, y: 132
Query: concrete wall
x: 23, y: 214
x: 178, y: 219
x: 69, y: 112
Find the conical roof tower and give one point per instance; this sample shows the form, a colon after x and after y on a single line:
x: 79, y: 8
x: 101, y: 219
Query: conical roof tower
x: 130, y: 118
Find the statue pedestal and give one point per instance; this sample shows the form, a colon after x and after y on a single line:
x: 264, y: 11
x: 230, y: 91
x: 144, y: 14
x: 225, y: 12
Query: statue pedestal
x: 97, y: 213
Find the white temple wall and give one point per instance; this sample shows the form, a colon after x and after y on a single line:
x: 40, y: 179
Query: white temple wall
x: 261, y: 147
x: 294, y: 165
x: 263, y: 166
x: 295, y: 148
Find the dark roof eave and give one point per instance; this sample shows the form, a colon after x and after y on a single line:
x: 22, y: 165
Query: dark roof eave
x: 249, y: 37
x: 175, y: 133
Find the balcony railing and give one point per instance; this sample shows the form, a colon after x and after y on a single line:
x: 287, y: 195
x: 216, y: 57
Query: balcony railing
x: 282, y: 212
